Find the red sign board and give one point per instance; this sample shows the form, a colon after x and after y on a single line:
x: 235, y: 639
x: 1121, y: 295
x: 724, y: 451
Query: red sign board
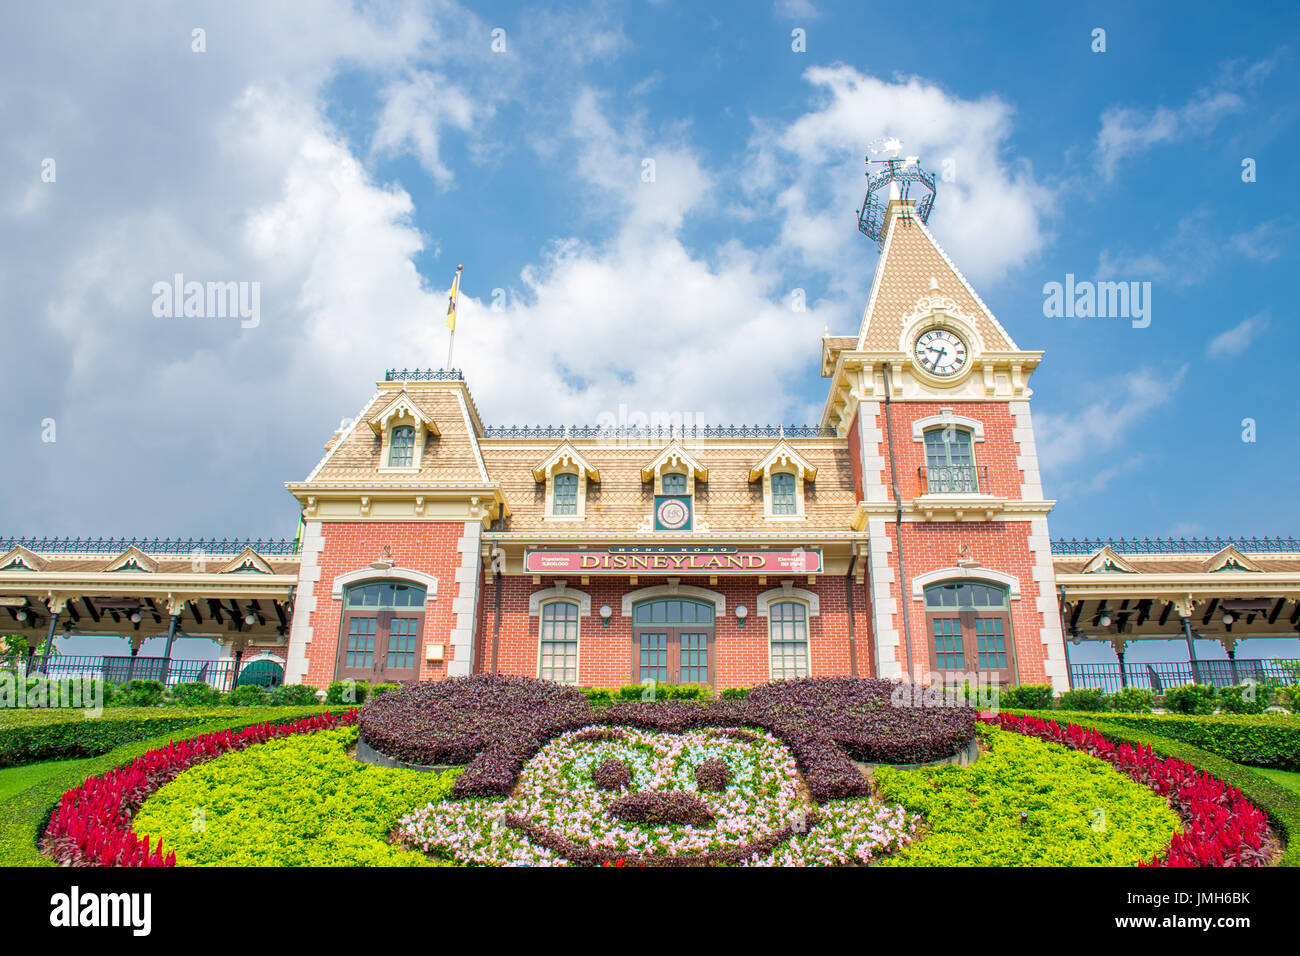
x: 651, y: 560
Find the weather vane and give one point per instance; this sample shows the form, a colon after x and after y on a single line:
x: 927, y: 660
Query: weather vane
x: 899, y: 175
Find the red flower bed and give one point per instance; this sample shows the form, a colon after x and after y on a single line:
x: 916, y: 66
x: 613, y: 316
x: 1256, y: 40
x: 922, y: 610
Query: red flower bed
x: 92, y: 824
x: 1220, y: 826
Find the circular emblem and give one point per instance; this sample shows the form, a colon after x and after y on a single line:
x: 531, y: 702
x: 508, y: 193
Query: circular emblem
x: 672, y: 514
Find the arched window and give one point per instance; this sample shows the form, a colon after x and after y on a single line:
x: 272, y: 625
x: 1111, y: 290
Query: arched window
x: 566, y: 494
x: 950, y: 462
x: 401, y: 449
x: 674, y: 483
x: 788, y: 635
x: 382, y: 621
x: 558, y: 655
x: 783, y: 494
x: 970, y: 628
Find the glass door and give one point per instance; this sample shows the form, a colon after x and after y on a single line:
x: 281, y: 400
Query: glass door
x: 672, y: 642
x: 380, y: 636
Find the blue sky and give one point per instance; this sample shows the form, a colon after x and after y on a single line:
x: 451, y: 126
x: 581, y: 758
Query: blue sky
x: 347, y: 157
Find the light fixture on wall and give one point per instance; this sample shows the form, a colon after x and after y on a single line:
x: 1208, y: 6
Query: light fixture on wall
x: 742, y: 612
x: 385, y: 560
x: 250, y: 619
x: 605, y: 613
x: 1104, y: 620
x: 1227, y: 618
x: 135, y: 617
x: 22, y: 614
x: 1076, y: 638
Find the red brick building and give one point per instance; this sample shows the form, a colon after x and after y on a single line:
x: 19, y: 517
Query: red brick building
x: 905, y: 534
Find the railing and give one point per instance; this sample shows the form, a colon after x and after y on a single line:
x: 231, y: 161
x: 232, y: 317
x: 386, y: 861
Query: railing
x: 1175, y: 545
x: 424, y: 375
x: 658, y: 432
x: 953, y: 479
x: 1161, y: 676
x: 185, y: 546
x: 220, y: 674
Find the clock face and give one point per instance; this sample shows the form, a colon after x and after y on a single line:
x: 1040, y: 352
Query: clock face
x: 941, y: 352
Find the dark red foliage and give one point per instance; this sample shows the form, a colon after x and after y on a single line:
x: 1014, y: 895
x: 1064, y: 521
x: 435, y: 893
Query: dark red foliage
x: 1220, y: 826
x: 611, y: 774
x: 712, y: 776
x: 92, y: 824
x: 660, y: 807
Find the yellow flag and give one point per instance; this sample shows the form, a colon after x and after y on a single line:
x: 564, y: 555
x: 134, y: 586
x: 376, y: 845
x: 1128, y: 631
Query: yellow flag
x: 451, y: 301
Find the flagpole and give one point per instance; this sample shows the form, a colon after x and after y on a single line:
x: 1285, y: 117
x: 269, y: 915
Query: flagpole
x: 451, y: 315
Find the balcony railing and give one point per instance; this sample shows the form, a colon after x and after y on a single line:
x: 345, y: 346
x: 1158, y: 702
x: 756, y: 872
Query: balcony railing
x: 1159, y: 677
x: 221, y: 674
x: 1087, y: 546
x: 664, y: 432
x: 184, y: 546
x: 953, y: 479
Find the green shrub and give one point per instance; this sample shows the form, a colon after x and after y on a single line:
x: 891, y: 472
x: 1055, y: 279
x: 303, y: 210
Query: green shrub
x: 734, y: 693
x: 23, y: 815
x: 296, y: 801
x: 1131, y: 700
x: 1027, y: 697
x: 1084, y: 698
x: 1288, y: 697
x: 1244, y: 699
x: 248, y: 695
x: 598, y: 695
x: 1266, y: 740
x: 139, y: 693
x: 1190, y: 699
x: 56, y: 692
x: 293, y: 695
x: 347, y: 692
x: 377, y: 689
x: 1280, y: 804
x: 1079, y: 811
x: 194, y: 694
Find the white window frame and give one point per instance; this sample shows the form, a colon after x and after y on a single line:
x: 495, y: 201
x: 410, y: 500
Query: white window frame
x: 573, y: 598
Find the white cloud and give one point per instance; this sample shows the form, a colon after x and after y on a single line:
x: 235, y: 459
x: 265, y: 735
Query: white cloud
x: 989, y: 217
x: 1073, y: 446
x: 1237, y: 339
x: 1193, y: 252
x: 415, y: 110
x: 1128, y: 131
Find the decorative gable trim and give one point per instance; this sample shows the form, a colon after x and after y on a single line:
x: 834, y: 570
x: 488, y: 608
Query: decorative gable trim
x: 401, y: 407
x: 564, y: 457
x: 674, y: 456
x: 1230, y: 559
x: 20, y: 559
x: 1107, y: 559
x: 247, y: 561
x: 783, y: 455
x: 132, y: 559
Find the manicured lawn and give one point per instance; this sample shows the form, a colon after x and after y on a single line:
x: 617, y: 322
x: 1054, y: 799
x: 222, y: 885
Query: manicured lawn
x: 1283, y: 777
x: 16, y: 779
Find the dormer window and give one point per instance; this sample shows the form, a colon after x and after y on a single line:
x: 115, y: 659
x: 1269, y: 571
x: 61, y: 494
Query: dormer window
x: 783, y: 493
x: 674, y: 483
x: 565, y: 494
x: 785, y: 475
x: 566, y: 476
x: 401, y: 447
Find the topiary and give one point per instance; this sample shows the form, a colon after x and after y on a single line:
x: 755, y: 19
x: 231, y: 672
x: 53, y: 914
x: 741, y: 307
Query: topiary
x: 347, y: 692
x: 1131, y: 700
x: 194, y: 694
x: 293, y: 694
x: 139, y: 693
x: 1190, y: 699
x: 1084, y: 698
x: 247, y: 695
x: 1027, y: 697
x: 1248, y: 698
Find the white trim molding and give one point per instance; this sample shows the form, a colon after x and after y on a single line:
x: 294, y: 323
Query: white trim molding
x: 922, y: 581
x: 429, y: 582
x: 671, y: 589
x: 787, y: 592
x: 945, y: 419
x: 561, y: 592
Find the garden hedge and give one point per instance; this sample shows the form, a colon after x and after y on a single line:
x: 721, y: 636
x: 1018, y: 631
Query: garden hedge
x: 23, y: 816
x: 1266, y: 740
x: 1281, y: 805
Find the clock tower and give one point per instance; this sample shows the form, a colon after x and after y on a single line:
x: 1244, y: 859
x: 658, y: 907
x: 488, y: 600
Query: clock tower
x: 933, y: 396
